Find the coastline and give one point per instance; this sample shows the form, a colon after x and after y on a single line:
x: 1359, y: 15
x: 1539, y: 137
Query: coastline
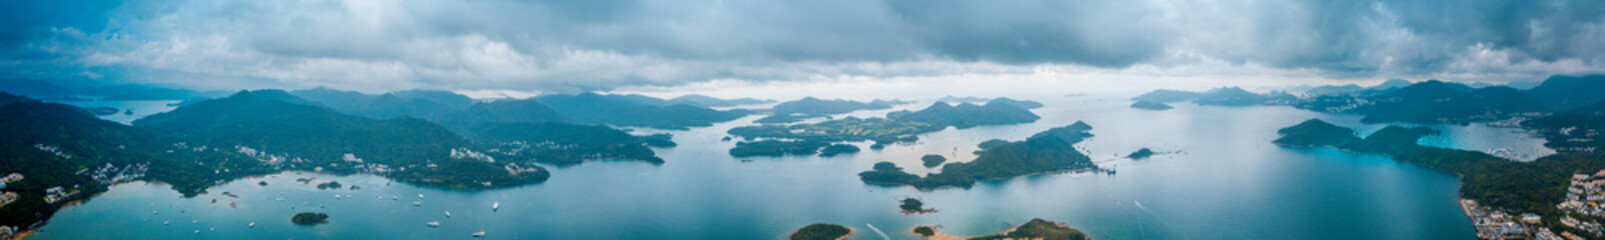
x: 850, y: 232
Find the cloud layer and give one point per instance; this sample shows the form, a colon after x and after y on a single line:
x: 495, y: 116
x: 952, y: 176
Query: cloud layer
x: 381, y: 45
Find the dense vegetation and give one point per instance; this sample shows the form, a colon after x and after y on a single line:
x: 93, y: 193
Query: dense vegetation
x: 416, y: 103
x: 776, y: 148
x: 1045, y: 152
x: 821, y: 231
x: 272, y: 123
x: 1037, y: 229
x: 1436, y: 101
x: 567, y: 144
x: 911, y: 205
x: 310, y: 218
x: 1150, y: 105
x: 1521, y: 187
x: 932, y: 160
x: 835, y: 149
x: 482, y: 116
x: 1576, y: 130
x: 810, y: 107
x: 55, y: 145
x: 924, y: 231
x: 1141, y: 154
x: 1040, y: 229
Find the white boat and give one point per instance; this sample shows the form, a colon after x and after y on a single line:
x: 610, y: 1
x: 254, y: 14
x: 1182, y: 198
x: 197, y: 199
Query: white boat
x: 154, y: 212
x: 166, y: 222
x: 481, y: 233
x: 495, y: 206
x: 420, y: 195
x: 197, y: 232
x: 448, y: 213
x: 253, y: 225
x: 417, y: 203
x: 433, y: 224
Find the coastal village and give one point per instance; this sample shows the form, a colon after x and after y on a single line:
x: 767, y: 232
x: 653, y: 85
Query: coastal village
x: 1583, y: 198
x: 8, y: 197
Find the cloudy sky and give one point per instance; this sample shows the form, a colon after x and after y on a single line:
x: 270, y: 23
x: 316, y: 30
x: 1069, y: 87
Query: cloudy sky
x: 381, y: 45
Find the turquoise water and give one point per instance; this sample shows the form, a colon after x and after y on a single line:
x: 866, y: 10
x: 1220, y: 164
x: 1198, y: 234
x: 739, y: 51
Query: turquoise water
x: 1224, y: 181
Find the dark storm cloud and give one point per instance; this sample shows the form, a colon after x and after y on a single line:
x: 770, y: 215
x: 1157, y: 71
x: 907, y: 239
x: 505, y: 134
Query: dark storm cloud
x: 602, y: 44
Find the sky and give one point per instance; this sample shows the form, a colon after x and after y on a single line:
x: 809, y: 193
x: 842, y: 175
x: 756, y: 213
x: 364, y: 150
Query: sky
x: 652, y: 45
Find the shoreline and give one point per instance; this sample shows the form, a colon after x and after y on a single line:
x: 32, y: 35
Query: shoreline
x: 850, y: 232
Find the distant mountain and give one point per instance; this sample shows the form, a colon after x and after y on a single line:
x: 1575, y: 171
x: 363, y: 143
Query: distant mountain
x: 1167, y: 96
x: 46, y: 89
x: 1027, y: 104
x: 7, y: 98
x: 635, y: 110
x: 956, y: 100
x: 966, y: 115
x: 1391, y: 84
x: 1567, y: 92
x: 32, y: 87
x: 484, y: 115
x: 567, y: 144
x: 707, y: 101
x: 1436, y: 101
x: 810, y: 107
x: 1334, y: 90
x: 1230, y: 96
x: 1224, y: 96
x: 445, y: 98
x: 273, y: 122
x: 1147, y: 105
x: 414, y: 103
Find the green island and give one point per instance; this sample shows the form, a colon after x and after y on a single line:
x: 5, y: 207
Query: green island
x: 1530, y: 187
x: 776, y: 148
x: 1034, y: 229
x: 1150, y: 105
x: 822, y: 231
x: 932, y: 160
x: 836, y: 149
x: 1140, y: 154
x: 330, y: 185
x: 1045, y: 152
x: 901, y: 126
x: 913, y: 206
x: 310, y: 218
